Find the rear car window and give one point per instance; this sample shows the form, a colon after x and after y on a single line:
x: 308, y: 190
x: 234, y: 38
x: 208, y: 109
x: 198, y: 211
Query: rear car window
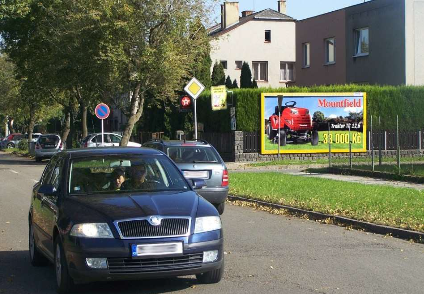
x: 49, y: 139
x: 191, y: 154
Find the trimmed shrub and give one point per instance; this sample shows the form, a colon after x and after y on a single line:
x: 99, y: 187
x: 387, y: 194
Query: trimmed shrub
x: 23, y: 145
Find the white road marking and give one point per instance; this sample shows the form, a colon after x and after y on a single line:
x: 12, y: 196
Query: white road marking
x: 14, y: 171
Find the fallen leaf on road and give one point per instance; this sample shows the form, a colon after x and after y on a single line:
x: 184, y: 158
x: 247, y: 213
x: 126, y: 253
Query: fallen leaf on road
x: 271, y: 267
x: 7, y: 222
x: 193, y: 286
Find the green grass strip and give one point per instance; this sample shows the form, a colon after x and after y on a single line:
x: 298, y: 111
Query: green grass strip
x: 396, y: 207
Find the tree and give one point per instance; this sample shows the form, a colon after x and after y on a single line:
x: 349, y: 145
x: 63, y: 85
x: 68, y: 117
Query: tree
x: 246, y: 76
x: 318, y: 116
x: 228, y: 83
x: 235, y: 85
x: 218, y: 75
x: 254, y: 84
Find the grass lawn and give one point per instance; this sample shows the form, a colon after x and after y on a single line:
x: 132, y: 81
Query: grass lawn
x: 16, y: 151
x: 337, y: 161
x: 397, y: 207
x: 340, y: 140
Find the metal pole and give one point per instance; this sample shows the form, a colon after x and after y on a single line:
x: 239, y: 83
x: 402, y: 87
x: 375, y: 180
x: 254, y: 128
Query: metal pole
x: 397, y: 143
x: 279, y: 131
x: 329, y: 148
x: 103, y: 139
x: 380, y: 156
x: 419, y: 141
x: 372, y: 148
x: 350, y: 150
x: 195, y: 120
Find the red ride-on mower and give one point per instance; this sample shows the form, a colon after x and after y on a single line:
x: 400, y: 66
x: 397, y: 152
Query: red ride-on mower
x: 295, y: 125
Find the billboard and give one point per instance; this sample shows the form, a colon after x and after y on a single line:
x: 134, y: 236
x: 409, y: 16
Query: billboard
x: 219, y: 97
x: 309, y: 122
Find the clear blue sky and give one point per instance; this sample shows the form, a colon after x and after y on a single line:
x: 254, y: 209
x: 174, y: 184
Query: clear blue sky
x: 298, y: 9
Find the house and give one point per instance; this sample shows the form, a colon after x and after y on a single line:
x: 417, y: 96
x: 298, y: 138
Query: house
x: 376, y: 42
x: 264, y: 39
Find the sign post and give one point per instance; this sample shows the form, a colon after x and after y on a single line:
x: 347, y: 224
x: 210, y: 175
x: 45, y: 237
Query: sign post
x: 102, y: 112
x: 194, y: 88
x: 280, y: 101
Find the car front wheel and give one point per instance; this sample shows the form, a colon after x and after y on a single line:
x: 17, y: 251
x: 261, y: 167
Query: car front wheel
x: 211, y: 277
x: 64, y: 282
x: 35, y: 257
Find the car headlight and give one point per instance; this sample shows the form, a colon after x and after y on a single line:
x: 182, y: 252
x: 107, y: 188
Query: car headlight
x: 207, y: 223
x: 100, y: 230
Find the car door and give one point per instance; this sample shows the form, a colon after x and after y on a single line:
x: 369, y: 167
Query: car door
x: 39, y: 210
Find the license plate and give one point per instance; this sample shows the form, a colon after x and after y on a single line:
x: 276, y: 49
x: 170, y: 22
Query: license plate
x: 188, y: 174
x: 156, y: 249
x: 49, y: 146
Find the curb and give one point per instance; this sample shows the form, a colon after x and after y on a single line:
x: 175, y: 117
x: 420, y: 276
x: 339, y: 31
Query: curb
x: 369, y: 227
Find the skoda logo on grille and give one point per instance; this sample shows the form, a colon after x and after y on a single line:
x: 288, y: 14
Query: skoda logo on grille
x: 154, y: 220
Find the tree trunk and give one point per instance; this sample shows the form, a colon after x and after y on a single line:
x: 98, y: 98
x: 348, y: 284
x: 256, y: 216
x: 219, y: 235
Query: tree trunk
x: 84, y: 120
x: 10, y: 123
x: 67, y: 126
x: 137, y: 103
x: 31, y: 124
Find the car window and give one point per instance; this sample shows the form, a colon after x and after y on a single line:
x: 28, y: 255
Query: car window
x: 56, y: 174
x: 191, y: 154
x: 49, y: 139
x: 115, y: 139
x: 136, y: 174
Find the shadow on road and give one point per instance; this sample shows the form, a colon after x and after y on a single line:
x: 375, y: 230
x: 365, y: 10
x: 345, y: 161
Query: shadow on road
x: 18, y: 276
x: 10, y: 159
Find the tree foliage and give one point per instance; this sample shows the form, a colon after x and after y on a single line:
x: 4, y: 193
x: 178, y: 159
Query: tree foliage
x: 246, y: 76
x: 228, y: 83
x: 218, y: 74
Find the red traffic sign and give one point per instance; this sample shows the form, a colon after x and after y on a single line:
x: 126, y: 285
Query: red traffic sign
x: 102, y: 111
x: 185, y: 103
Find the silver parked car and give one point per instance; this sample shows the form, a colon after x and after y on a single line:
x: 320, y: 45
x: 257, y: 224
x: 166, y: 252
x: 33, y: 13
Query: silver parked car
x: 198, y: 160
x: 47, y: 145
x: 109, y: 139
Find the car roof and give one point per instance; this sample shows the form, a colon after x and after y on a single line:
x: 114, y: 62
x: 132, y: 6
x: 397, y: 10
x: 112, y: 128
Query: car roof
x: 87, y: 152
x: 181, y: 142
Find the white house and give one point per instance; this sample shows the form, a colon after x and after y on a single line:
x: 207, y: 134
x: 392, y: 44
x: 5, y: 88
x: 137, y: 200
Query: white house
x: 265, y: 40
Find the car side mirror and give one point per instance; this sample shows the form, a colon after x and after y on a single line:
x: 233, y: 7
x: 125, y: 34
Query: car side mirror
x: 47, y: 190
x: 198, y: 183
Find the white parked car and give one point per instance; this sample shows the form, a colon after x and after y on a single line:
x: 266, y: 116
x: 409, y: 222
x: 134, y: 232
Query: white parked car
x: 110, y: 140
x: 47, y: 145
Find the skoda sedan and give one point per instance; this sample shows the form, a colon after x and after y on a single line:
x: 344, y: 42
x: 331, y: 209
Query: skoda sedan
x: 107, y: 214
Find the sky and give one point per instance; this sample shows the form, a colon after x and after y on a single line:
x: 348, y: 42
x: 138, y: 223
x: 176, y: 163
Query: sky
x: 298, y: 9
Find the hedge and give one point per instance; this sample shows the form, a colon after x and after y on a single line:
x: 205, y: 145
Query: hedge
x: 382, y: 101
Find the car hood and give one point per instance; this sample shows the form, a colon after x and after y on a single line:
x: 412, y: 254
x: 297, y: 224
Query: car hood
x: 96, y: 208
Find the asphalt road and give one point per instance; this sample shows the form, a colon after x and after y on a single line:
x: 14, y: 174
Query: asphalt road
x: 264, y: 253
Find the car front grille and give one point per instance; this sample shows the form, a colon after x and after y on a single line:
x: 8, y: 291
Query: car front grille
x: 143, y: 229
x: 163, y: 264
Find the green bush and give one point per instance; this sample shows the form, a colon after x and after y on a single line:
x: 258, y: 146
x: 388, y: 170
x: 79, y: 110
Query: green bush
x: 382, y: 101
x: 23, y: 145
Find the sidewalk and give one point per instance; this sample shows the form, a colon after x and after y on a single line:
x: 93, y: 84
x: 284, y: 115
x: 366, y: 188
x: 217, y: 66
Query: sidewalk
x: 297, y: 170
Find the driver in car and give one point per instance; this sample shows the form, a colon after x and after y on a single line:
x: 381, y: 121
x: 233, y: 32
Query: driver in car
x: 138, y: 178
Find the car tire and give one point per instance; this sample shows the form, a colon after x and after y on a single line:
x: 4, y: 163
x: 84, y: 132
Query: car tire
x: 10, y: 145
x: 314, y: 138
x: 220, y: 207
x: 35, y: 256
x: 64, y: 282
x: 283, y: 138
x: 270, y: 132
x: 211, y: 277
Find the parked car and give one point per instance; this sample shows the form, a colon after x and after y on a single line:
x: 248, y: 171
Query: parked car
x: 199, y: 159
x: 109, y: 139
x: 47, y: 145
x: 11, y: 141
x: 160, y: 228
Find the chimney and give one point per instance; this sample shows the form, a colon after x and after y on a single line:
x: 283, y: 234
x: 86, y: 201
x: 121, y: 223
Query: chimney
x: 246, y: 13
x: 229, y: 14
x: 282, y: 6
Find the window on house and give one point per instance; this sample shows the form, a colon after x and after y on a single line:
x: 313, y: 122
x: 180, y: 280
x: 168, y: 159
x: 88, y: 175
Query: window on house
x: 362, y: 42
x: 306, y: 54
x: 260, y: 70
x: 224, y: 63
x: 239, y: 64
x: 330, y: 52
x: 267, y: 36
x: 286, y: 71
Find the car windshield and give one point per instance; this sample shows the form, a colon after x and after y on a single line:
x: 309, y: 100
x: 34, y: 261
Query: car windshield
x: 121, y: 174
x: 191, y: 154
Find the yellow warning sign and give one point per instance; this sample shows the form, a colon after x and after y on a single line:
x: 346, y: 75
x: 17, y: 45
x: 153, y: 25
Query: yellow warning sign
x: 194, y: 88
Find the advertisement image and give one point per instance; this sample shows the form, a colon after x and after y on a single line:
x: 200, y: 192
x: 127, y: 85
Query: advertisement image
x: 310, y: 122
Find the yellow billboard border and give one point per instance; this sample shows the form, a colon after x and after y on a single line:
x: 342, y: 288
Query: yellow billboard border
x: 311, y: 151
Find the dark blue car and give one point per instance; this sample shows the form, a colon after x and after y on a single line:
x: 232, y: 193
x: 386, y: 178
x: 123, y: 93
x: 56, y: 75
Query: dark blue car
x: 122, y: 213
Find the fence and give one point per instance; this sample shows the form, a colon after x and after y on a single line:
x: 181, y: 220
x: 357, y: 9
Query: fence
x: 251, y: 142
x: 387, y: 140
